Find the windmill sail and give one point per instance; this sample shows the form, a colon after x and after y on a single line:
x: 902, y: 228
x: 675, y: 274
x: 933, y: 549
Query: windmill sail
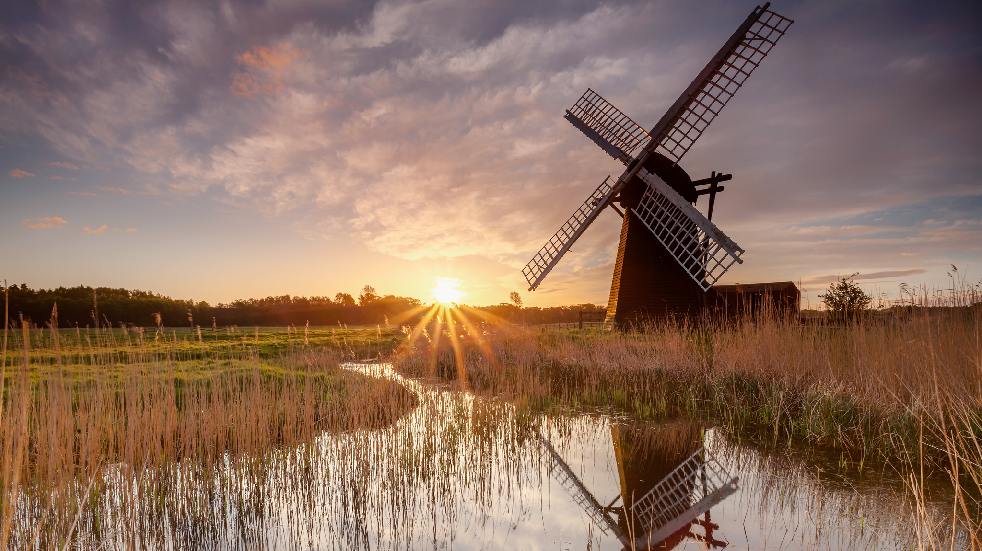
x: 554, y: 249
x: 719, y: 80
x: 702, y: 249
x: 696, y: 485
x: 615, y: 132
x: 577, y: 491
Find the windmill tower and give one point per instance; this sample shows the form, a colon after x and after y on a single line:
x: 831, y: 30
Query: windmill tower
x: 669, y: 254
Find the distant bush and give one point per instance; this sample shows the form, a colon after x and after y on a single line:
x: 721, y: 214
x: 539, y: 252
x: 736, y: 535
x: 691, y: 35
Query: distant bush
x: 845, y: 299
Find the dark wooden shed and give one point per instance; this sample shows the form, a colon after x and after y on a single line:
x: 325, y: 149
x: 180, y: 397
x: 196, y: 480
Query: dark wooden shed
x: 750, y: 299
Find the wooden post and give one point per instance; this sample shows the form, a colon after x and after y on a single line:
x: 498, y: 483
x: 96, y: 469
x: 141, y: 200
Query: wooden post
x: 713, y: 188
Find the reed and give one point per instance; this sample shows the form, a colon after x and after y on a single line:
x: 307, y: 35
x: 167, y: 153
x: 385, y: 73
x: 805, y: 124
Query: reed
x: 901, y: 391
x: 111, y: 448
x: 113, y: 438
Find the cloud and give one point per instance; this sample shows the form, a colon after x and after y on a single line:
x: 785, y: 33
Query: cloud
x: 98, y: 230
x: 435, y: 129
x: 65, y: 165
x: 19, y: 173
x: 840, y: 232
x: 274, y: 58
x: 44, y: 223
x: 106, y: 228
x: 118, y: 190
x: 115, y: 190
x: 262, y: 69
x: 885, y: 274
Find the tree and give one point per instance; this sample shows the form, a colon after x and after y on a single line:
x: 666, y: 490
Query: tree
x: 516, y: 299
x: 368, y: 295
x: 845, y: 299
x: 345, y: 300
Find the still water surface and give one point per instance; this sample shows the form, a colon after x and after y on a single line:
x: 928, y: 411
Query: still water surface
x: 460, y: 472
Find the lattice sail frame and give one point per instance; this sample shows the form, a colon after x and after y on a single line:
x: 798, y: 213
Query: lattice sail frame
x: 609, y: 127
x: 702, y: 249
x: 578, y: 492
x: 692, y: 488
x: 560, y: 242
x: 722, y: 78
x: 685, y: 121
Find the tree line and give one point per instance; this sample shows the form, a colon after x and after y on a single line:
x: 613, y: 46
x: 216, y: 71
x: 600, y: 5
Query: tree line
x: 90, y: 306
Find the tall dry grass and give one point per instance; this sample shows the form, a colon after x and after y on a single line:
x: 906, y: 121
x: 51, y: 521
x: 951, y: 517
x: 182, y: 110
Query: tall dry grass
x: 901, y: 392
x: 236, y: 465
x: 159, y: 449
x: 137, y: 445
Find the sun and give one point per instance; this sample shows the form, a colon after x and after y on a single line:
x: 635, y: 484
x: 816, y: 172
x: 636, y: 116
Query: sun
x: 447, y: 290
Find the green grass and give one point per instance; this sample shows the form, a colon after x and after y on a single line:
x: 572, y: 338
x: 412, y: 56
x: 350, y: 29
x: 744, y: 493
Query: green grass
x: 118, y: 346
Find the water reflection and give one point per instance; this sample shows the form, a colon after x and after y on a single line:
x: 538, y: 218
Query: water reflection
x: 467, y: 473
x: 666, y: 492
x: 582, y: 482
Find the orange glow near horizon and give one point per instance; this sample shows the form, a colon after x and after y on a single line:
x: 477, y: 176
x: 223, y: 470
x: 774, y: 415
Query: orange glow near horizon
x: 440, y: 331
x: 447, y: 291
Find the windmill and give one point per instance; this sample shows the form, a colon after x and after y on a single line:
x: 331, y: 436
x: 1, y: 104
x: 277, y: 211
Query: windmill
x: 669, y: 254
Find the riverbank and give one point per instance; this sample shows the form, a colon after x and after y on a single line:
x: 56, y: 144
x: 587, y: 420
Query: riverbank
x: 903, y: 394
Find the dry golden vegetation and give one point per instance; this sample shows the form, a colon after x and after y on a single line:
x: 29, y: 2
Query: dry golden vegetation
x: 135, y: 443
x: 901, y: 392
x: 185, y: 439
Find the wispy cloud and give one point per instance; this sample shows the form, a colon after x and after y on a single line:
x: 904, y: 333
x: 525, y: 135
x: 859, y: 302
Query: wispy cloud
x: 868, y: 276
x: 115, y: 190
x: 262, y: 69
x: 273, y: 58
x: 118, y: 190
x: 44, y: 223
x: 106, y: 228
x: 65, y: 165
x: 20, y: 173
x: 98, y: 230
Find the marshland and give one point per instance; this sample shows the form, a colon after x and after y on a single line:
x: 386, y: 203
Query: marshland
x: 612, y: 242
x: 452, y: 431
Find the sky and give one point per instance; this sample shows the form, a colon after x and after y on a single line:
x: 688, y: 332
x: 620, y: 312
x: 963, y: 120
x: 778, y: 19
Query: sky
x: 226, y: 150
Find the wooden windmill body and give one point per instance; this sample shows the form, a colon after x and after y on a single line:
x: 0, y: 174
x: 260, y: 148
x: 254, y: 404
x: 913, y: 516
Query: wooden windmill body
x: 670, y: 254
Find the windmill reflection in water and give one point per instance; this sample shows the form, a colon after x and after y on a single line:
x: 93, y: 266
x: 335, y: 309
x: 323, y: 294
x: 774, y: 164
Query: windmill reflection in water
x: 668, y: 483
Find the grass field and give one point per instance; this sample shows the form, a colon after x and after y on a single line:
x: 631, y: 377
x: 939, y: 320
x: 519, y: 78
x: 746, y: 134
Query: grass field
x: 108, y: 346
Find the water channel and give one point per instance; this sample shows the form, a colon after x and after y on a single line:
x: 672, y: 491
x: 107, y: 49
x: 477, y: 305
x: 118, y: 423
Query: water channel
x: 464, y: 472
x: 460, y: 472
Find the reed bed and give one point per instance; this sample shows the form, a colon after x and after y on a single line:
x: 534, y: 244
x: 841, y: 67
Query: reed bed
x: 122, y: 444
x: 238, y: 466
x: 900, y: 392
x: 125, y: 440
